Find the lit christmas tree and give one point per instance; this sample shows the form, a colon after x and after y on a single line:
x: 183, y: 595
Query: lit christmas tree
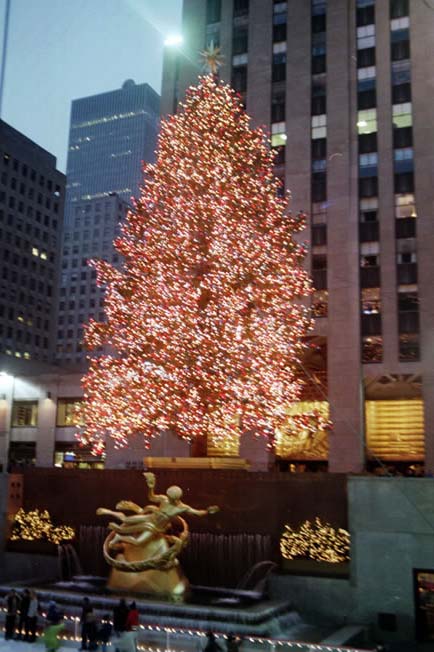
x: 205, y: 319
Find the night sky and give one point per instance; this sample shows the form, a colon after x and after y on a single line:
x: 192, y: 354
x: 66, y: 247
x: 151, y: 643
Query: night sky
x: 60, y: 50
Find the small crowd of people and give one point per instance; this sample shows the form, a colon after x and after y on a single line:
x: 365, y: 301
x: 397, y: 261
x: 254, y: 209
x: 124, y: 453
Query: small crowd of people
x: 21, y: 615
x: 23, y: 609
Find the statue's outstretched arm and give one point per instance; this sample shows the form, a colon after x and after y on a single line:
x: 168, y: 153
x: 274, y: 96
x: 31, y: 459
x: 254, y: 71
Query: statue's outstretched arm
x: 212, y: 509
x: 150, y: 481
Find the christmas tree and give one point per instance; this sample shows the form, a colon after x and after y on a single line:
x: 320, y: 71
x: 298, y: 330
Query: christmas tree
x: 205, y: 318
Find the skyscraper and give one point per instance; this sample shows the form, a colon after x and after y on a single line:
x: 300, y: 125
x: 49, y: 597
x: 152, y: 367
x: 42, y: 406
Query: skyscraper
x: 110, y: 135
x: 346, y: 89
x: 32, y: 196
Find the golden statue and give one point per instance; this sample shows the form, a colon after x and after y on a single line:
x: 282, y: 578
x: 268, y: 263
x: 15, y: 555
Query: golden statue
x: 143, y: 549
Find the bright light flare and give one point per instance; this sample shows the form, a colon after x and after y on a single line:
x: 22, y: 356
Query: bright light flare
x: 173, y: 40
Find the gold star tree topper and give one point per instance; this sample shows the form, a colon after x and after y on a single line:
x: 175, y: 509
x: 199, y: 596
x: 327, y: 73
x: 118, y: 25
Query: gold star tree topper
x: 212, y: 59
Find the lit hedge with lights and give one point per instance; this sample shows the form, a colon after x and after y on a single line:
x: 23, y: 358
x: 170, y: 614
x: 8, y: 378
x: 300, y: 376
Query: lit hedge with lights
x: 36, y: 525
x: 315, y: 540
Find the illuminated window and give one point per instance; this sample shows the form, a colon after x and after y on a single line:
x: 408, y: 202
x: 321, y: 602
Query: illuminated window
x: 24, y: 414
x: 320, y: 303
x: 299, y: 445
x: 371, y: 301
x: 395, y: 429
x: 66, y: 412
x: 278, y: 135
x: 366, y: 37
x: 372, y: 349
x: 35, y: 251
x: 319, y: 126
x: 402, y: 115
x: 367, y: 121
x: 405, y: 205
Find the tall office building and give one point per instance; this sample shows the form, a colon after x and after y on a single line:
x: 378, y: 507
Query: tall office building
x: 346, y: 89
x: 32, y: 195
x: 110, y: 135
x: 89, y: 234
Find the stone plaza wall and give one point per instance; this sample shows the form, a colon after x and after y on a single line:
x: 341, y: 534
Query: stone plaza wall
x: 391, y: 521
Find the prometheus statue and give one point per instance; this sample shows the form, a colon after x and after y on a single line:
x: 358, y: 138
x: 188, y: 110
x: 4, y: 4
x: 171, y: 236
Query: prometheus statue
x: 143, y: 548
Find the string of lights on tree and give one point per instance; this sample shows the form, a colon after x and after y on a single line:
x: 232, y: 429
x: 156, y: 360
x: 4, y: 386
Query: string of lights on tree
x: 204, y: 322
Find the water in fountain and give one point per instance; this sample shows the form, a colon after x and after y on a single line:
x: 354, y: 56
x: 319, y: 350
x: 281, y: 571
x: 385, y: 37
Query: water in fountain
x: 69, y: 563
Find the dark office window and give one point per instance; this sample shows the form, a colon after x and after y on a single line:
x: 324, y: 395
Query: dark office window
x: 319, y: 83
x: 239, y: 78
x: 371, y: 324
x: 398, y: 8
x: 319, y: 235
x: 404, y: 182
x: 369, y: 231
x: 409, y: 349
x: 405, y: 227
x: 318, y: 64
x: 278, y: 107
x: 239, y: 40
x: 406, y: 273
x: 370, y: 276
x: 365, y: 57
x: 318, y: 23
x: 400, y: 50
x: 279, y: 67
x: 402, y: 137
x: 213, y: 11
x: 319, y: 187
x: 319, y: 279
x: 367, y: 99
x: 279, y: 27
x: 368, y: 187
x: 319, y: 148
x: 368, y: 143
x: 365, y: 15
x: 401, y: 93
x: 241, y: 7
x: 318, y: 105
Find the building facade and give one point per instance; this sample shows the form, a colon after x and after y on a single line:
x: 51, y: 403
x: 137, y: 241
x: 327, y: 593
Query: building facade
x: 110, y: 135
x: 89, y: 234
x: 32, y: 195
x: 346, y: 90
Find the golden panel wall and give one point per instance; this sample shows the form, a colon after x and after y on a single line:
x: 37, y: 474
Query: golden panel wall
x: 395, y: 430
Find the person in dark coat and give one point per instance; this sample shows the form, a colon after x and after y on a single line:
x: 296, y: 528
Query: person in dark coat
x: 105, y: 632
x: 53, y: 615
x: 233, y: 643
x: 24, y: 608
x: 86, y: 609
x: 12, y: 605
x: 120, y: 615
x: 211, y: 645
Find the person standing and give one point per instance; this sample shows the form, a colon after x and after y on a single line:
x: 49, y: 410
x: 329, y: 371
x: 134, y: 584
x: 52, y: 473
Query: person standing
x: 105, y: 632
x: 12, y: 603
x: 132, y: 618
x: 86, y: 609
x: 120, y: 615
x: 32, y: 617
x: 24, y: 607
